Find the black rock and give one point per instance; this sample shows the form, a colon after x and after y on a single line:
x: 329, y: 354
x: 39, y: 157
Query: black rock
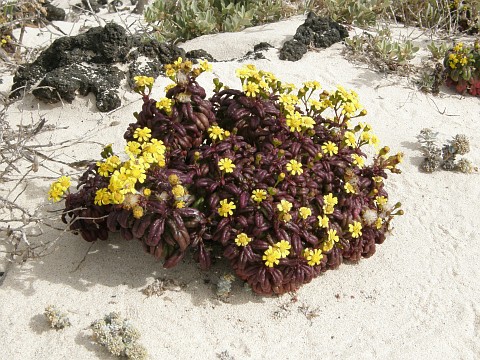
x: 292, y: 50
x: 199, y: 54
x: 262, y: 46
x: 316, y: 31
x: 320, y: 32
x: 84, y: 63
x: 65, y: 82
x: 53, y: 13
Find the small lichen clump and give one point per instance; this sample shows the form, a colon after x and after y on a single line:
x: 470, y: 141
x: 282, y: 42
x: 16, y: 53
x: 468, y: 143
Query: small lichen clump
x: 444, y: 157
x: 119, y: 336
x: 57, y: 319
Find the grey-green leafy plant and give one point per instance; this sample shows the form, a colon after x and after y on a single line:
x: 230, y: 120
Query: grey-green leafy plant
x: 439, y: 50
x: 56, y: 318
x: 356, y: 12
x: 381, y: 50
x: 436, y: 156
x: 179, y: 20
x: 119, y: 336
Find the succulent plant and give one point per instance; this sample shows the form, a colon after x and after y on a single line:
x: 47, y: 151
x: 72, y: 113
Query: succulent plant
x: 273, y: 178
x: 462, y: 68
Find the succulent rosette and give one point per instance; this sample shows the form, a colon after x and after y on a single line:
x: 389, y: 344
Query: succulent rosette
x: 276, y: 177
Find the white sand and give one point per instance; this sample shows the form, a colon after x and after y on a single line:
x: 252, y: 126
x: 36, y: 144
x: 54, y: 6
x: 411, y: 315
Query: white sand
x: 418, y: 297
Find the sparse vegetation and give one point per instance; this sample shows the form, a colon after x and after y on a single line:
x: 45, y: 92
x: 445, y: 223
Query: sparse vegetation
x: 56, y: 318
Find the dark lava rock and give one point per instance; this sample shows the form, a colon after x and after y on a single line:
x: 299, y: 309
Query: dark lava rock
x: 262, y: 46
x: 199, y: 54
x: 54, y: 13
x: 85, y: 63
x: 292, y: 50
x: 316, y: 31
x: 64, y: 83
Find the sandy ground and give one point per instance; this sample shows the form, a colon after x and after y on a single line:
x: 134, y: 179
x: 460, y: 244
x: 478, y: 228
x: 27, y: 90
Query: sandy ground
x: 417, y: 298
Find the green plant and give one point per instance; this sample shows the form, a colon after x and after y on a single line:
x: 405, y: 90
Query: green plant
x: 462, y: 68
x: 445, y: 156
x: 57, y: 319
x: 119, y: 337
x: 439, y: 50
x: 357, y: 12
x: 381, y: 51
x: 273, y: 178
x: 183, y: 20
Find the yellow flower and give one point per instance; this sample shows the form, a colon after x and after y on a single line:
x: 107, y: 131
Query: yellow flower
x: 242, y: 239
x: 323, y: 221
x: 117, y: 198
x: 349, y: 188
x: 178, y: 191
x: 328, y: 245
x: 350, y: 140
x: 294, y: 121
x: 164, y: 104
x: 102, y: 197
x: 286, y: 217
x: 307, y: 122
x: 271, y: 256
x: 328, y: 209
x: 216, y: 132
x: 284, y: 206
x: 147, y: 192
x: 305, y: 212
x: 142, y: 81
x: 378, y: 223
x: 355, y: 229
x: 314, y: 257
x: 294, y: 167
x: 381, y: 200
x: 330, y: 148
x: 64, y: 182
x: 283, y: 247
x: 251, y: 89
x: 332, y: 235
x: 137, y: 212
x: 173, y: 179
x: 133, y: 148
x: 142, y: 134
x: 259, y: 195
x: 205, y: 65
x: 226, y: 165
x: 56, y: 192
x: 315, y: 85
x: 226, y: 208
x: 377, y: 179
x: 180, y: 204
x: 137, y: 172
x: 329, y: 199
x: 358, y: 160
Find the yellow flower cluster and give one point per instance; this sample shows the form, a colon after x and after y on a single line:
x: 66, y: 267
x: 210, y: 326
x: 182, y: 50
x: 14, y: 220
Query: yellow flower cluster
x: 274, y: 253
x: 5, y: 40
x: 332, y: 238
x: 58, y: 188
x: 459, y: 57
x: 125, y: 176
x: 355, y: 229
x: 165, y: 104
x: 185, y: 67
x: 329, y: 202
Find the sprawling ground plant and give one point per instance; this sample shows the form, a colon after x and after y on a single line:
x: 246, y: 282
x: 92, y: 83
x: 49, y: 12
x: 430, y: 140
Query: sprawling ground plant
x: 275, y: 179
x: 462, y: 67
